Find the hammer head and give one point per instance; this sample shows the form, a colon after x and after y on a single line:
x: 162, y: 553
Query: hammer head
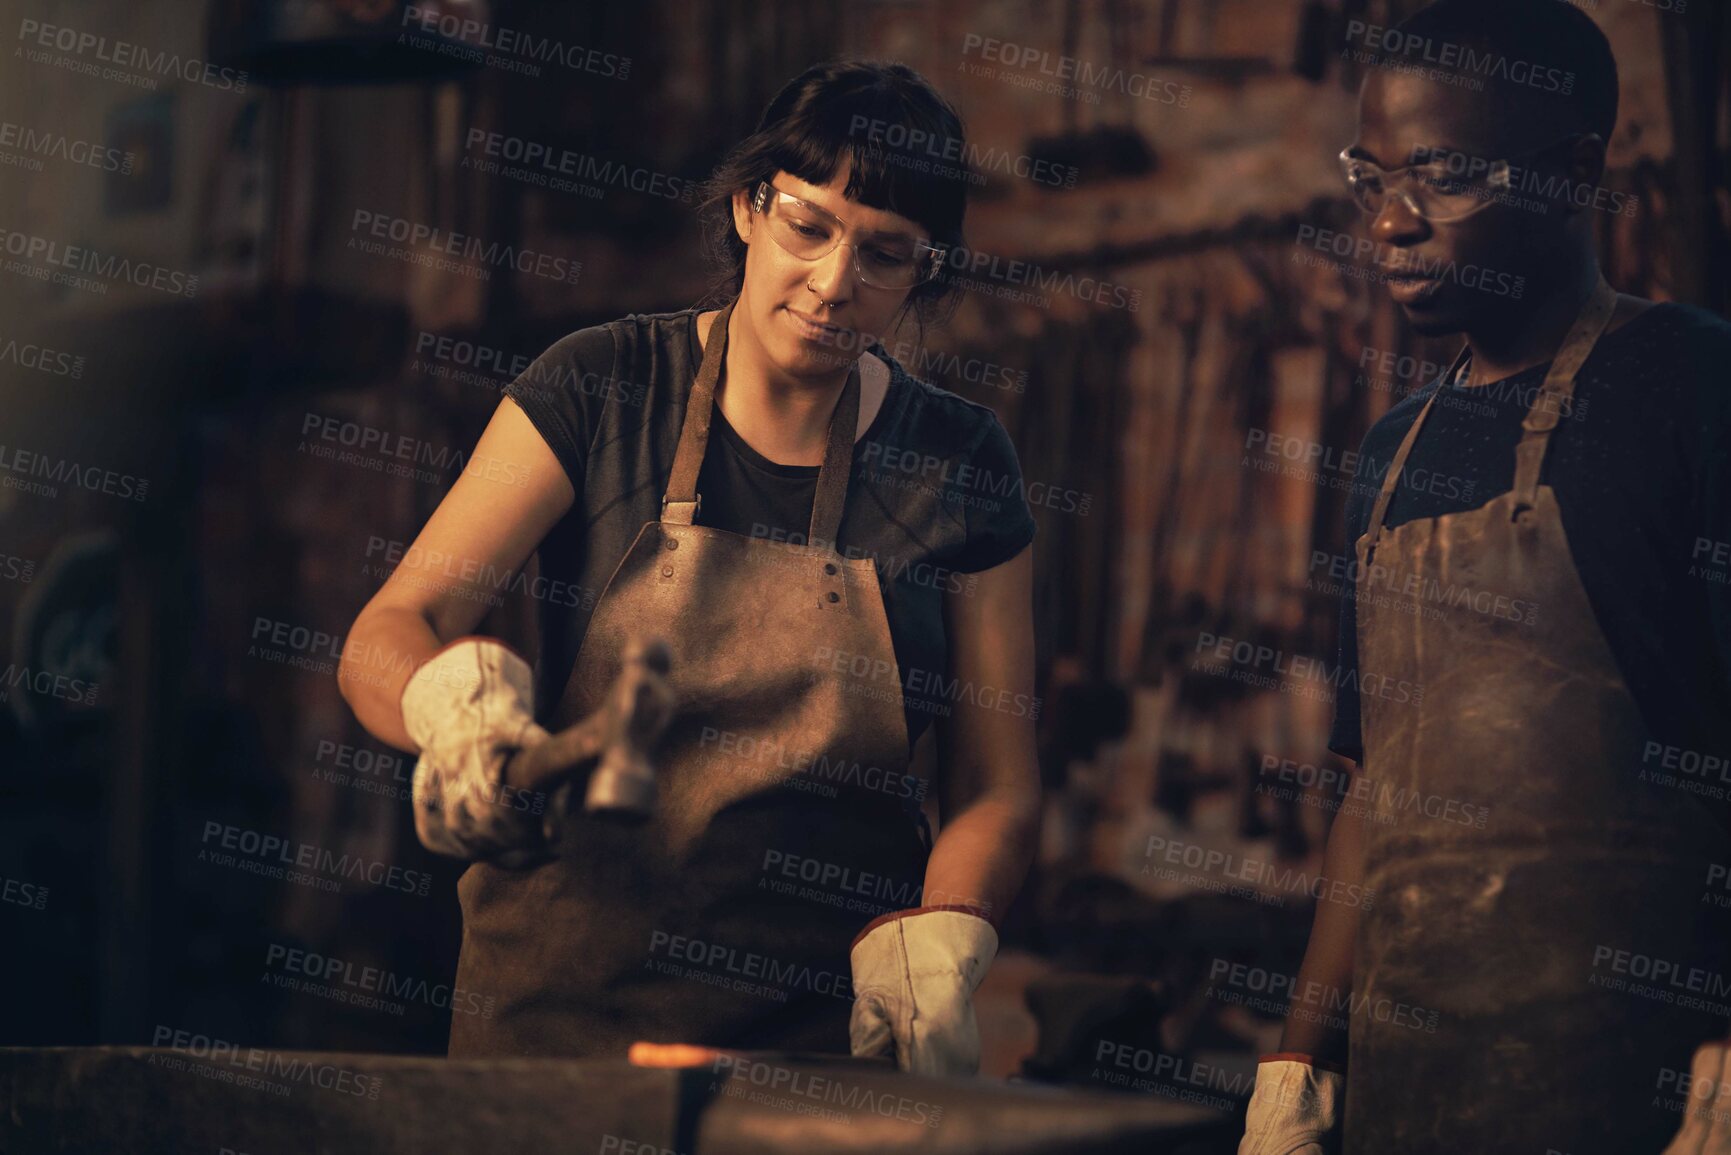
x: 637, y: 710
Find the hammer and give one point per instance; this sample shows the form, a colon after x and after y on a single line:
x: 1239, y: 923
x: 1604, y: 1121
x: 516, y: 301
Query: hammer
x: 620, y: 733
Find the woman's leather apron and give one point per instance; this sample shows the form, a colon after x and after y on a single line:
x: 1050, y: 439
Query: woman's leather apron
x: 1507, y: 934
x: 786, y: 817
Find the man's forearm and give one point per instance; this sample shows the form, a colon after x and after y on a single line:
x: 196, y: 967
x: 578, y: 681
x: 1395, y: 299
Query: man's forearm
x: 1316, y: 1023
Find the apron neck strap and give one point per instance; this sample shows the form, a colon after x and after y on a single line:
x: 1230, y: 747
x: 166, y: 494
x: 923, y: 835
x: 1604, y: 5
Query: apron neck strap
x: 1556, y: 394
x: 1391, y: 475
x: 681, y: 502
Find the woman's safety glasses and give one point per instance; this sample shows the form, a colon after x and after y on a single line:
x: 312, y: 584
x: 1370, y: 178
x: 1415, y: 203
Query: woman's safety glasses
x: 882, y: 260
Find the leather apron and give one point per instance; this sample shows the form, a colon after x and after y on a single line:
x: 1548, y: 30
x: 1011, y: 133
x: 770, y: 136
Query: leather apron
x: 786, y: 816
x: 1490, y: 1012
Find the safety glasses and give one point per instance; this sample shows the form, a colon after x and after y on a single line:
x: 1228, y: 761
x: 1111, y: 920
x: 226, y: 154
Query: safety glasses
x: 1444, y: 187
x: 882, y: 260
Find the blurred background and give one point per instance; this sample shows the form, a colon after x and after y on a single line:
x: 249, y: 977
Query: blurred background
x: 181, y: 551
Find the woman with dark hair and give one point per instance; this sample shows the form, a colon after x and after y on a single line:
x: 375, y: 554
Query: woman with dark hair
x: 837, y: 555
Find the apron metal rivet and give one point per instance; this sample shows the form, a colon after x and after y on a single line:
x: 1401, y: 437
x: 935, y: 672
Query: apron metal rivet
x: 672, y: 543
x: 666, y: 571
x: 829, y: 567
x: 834, y: 597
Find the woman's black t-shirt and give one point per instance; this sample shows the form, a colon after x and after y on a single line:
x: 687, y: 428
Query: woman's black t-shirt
x: 935, y: 495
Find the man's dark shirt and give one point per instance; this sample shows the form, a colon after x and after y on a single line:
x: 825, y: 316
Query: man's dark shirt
x: 1641, y: 469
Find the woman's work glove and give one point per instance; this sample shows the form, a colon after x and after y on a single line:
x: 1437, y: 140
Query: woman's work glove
x: 469, y: 708
x: 1295, y: 1109
x: 1706, y: 1128
x: 914, y: 976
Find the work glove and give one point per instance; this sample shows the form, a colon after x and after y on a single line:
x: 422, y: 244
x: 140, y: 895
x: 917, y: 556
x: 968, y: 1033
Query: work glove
x: 469, y: 708
x: 1706, y: 1128
x: 914, y: 976
x: 1295, y: 1109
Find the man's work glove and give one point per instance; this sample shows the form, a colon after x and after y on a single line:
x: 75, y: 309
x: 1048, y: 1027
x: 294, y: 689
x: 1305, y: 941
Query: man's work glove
x: 1706, y: 1128
x: 469, y: 708
x: 1295, y: 1109
x: 914, y: 976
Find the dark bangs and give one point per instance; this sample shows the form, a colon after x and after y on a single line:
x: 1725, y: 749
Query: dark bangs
x: 903, y: 142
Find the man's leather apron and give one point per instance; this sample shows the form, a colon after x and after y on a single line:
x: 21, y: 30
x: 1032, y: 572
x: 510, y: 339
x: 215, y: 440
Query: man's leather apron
x: 786, y: 816
x: 1506, y: 933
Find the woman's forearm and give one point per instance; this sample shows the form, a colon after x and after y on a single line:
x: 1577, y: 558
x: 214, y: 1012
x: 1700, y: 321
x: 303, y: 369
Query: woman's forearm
x: 384, y: 647
x: 981, y: 856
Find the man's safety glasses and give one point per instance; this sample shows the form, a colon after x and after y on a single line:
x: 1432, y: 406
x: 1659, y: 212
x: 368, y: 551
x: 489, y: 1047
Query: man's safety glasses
x: 882, y: 260
x: 1444, y: 187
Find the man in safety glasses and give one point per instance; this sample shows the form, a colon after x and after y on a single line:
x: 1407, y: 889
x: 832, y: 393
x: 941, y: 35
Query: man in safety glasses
x: 1542, y: 559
